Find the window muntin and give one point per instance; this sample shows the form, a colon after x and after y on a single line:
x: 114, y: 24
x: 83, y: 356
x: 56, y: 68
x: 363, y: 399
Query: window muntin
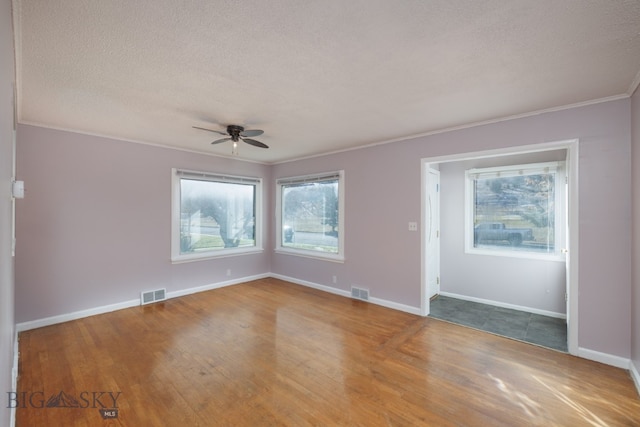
x: 311, y: 215
x: 214, y: 215
x: 516, y: 210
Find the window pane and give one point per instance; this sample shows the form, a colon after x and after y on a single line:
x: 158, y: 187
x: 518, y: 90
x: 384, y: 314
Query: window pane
x: 310, y: 216
x: 216, y: 215
x: 516, y: 212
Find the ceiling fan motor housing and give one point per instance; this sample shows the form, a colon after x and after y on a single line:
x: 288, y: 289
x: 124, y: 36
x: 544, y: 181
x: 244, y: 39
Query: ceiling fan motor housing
x: 234, y: 131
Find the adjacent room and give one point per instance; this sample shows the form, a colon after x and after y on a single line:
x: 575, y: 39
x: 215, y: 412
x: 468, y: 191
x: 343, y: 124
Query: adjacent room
x: 515, y: 278
x: 276, y: 213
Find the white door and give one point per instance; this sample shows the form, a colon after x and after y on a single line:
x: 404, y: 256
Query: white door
x: 433, y: 233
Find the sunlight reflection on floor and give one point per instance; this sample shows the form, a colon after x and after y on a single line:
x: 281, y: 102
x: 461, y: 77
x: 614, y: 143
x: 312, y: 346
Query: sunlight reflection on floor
x: 531, y: 408
x: 534, y: 410
x: 585, y: 413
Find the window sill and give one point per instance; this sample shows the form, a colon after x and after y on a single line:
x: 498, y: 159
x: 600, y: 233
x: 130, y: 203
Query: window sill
x: 310, y: 254
x: 223, y: 253
x: 556, y: 257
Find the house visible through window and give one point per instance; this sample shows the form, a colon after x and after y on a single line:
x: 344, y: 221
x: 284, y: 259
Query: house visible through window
x: 213, y: 215
x: 310, y: 215
x: 516, y: 209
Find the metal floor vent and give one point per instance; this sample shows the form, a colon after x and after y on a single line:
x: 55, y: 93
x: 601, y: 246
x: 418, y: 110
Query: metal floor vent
x: 360, y: 293
x: 153, y: 296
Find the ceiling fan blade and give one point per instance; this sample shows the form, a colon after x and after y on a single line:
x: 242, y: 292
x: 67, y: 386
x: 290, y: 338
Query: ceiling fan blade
x: 254, y: 132
x: 210, y: 130
x: 221, y: 140
x: 255, y: 143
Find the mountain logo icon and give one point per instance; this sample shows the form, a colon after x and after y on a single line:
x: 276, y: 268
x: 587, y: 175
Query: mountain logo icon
x: 62, y: 400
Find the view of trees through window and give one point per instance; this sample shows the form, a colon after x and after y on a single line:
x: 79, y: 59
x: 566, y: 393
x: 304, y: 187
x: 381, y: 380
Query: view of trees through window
x: 216, y: 215
x: 515, y: 211
x: 310, y: 216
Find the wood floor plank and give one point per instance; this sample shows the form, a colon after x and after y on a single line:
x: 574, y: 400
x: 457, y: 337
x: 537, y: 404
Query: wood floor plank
x: 269, y: 352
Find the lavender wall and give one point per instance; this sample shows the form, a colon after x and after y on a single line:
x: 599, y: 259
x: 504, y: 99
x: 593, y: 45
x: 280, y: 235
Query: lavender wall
x: 94, y: 228
x: 532, y: 283
x: 635, y: 309
x: 383, y: 194
x: 7, y: 323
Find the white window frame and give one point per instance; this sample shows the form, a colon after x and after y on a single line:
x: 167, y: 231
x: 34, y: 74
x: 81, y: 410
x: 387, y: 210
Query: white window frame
x: 176, y: 175
x: 280, y: 183
x: 514, y: 170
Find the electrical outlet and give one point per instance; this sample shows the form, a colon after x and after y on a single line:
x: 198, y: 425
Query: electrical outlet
x: 335, y: 279
x: 228, y: 272
x: 413, y: 226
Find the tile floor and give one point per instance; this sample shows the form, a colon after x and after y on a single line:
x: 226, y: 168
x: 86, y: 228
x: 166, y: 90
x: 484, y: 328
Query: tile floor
x: 545, y: 331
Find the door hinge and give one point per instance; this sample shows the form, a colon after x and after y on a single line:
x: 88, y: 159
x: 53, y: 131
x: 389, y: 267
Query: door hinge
x: 566, y: 297
x: 438, y: 280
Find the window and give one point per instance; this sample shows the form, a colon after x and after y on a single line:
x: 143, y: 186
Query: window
x: 214, y: 215
x: 310, y: 215
x: 516, y: 210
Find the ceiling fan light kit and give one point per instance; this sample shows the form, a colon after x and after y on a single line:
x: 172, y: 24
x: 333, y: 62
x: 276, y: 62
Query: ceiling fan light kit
x: 237, y: 133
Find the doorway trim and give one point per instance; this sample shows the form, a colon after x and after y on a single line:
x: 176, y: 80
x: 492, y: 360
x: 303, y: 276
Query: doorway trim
x: 572, y: 220
x: 432, y: 217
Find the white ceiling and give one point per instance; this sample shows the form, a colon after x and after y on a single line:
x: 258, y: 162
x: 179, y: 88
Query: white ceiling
x: 316, y: 76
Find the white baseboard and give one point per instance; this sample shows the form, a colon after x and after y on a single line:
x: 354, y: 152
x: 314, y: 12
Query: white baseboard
x: 635, y: 375
x: 342, y: 292
x: 396, y: 306
x: 324, y: 288
x: 47, y: 321
x: 218, y: 285
x: 505, y: 305
x: 61, y: 318
x: 607, y: 359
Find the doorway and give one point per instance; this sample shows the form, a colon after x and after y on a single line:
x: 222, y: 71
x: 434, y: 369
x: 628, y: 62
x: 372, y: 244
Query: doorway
x: 431, y: 256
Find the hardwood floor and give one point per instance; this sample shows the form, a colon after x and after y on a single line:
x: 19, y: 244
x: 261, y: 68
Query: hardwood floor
x: 270, y: 352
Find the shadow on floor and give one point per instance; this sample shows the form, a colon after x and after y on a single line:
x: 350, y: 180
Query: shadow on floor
x: 536, y: 329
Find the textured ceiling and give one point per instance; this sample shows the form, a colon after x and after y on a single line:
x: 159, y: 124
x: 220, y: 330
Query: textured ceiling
x: 316, y: 76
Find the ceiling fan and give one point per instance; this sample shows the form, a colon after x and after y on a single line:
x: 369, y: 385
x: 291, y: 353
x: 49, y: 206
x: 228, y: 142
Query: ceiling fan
x: 236, y: 133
